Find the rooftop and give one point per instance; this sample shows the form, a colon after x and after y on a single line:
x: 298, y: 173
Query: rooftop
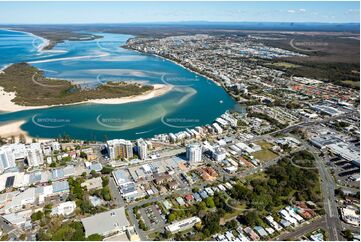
x: 106, y: 222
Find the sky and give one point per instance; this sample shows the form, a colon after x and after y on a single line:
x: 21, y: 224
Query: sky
x: 149, y: 12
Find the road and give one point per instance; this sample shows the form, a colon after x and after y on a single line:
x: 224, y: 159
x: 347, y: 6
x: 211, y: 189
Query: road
x: 299, y: 125
x: 10, y: 230
x: 304, y: 229
x: 114, y: 192
x: 333, y: 222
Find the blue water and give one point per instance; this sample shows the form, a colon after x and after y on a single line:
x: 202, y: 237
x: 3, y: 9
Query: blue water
x: 193, y: 101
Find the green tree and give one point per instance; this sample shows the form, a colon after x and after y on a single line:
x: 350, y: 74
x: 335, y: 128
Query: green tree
x: 348, y: 234
x: 22, y: 139
x: 83, y: 155
x: 211, y: 224
x: 106, y: 170
x: 142, y: 225
x: 251, y: 218
x: 232, y: 224
x: 105, y: 181
x: 202, y: 205
x: 106, y: 194
x: 37, y: 216
x: 95, y: 237
x: 209, y: 202
x: 172, y: 217
x: 47, y: 209
x: 93, y: 173
x: 195, y: 189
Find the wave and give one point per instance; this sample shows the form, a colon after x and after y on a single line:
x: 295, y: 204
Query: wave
x: 4, y: 67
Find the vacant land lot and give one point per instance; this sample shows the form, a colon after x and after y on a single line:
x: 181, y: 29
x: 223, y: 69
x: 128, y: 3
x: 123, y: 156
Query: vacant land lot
x: 264, y: 155
x: 333, y: 57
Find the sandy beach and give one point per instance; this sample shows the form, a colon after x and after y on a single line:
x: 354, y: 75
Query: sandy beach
x: 13, y: 129
x: 159, y: 90
x: 6, y: 105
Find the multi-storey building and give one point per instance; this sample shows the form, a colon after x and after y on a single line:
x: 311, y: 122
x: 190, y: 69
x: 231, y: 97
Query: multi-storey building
x: 120, y: 149
x: 7, y: 158
x: 142, y: 148
x: 34, y: 155
x: 194, y: 153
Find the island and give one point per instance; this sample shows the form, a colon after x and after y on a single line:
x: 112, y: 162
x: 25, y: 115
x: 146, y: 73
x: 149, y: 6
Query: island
x: 23, y: 86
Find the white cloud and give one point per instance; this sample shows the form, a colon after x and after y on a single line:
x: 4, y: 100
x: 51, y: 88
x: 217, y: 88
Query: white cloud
x: 291, y: 11
x: 302, y: 10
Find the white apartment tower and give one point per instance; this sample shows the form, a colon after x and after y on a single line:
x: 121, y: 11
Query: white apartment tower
x: 142, y: 148
x: 34, y: 155
x: 194, y: 153
x: 7, y: 158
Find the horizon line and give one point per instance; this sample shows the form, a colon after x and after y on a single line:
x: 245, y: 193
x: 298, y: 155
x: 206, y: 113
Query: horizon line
x: 187, y: 22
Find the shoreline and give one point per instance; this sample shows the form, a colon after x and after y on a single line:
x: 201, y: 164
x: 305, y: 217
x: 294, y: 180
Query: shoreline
x: 41, y: 47
x: 12, y: 128
x: 175, y: 62
x: 189, y: 69
x: 7, y: 105
x: 4, y: 67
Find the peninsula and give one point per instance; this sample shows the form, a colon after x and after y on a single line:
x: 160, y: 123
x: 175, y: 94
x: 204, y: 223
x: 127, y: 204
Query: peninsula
x: 23, y: 86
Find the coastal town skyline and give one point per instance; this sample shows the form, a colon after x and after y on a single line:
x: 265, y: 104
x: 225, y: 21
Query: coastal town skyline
x: 182, y: 123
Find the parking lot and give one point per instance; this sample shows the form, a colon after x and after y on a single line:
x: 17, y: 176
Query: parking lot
x: 345, y: 172
x: 152, y: 217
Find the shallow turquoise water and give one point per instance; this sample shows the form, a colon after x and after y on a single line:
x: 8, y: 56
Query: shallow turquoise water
x: 193, y: 101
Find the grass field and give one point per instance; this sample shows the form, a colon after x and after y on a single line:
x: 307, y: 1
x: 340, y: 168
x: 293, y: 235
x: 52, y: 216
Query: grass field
x: 258, y: 176
x: 264, y: 155
x: 264, y: 144
x: 284, y: 65
x: 354, y: 84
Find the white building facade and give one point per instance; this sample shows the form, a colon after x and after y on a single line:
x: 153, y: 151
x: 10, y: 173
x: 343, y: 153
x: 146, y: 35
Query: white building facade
x: 194, y: 153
